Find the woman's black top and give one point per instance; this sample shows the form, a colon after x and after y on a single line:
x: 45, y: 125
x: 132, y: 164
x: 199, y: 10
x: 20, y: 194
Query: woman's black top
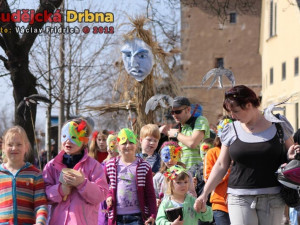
x: 255, y: 164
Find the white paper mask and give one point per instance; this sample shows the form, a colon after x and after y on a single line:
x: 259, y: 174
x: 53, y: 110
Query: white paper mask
x: 138, y: 58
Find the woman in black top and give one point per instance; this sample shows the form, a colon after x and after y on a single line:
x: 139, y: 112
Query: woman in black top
x: 253, y: 145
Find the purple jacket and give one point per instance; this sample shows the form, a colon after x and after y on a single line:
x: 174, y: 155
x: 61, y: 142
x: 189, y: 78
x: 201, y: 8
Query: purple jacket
x: 82, y: 205
x: 145, y: 190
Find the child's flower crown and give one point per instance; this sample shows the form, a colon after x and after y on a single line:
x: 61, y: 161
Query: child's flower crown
x: 174, y: 171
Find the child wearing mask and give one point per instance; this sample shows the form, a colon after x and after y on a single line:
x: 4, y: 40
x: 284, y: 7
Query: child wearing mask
x: 131, y: 194
x: 75, y: 182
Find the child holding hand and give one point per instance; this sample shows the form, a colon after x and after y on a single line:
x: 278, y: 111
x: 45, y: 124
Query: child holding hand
x: 131, y: 194
x: 75, y: 195
x: 178, y: 181
x: 22, y: 199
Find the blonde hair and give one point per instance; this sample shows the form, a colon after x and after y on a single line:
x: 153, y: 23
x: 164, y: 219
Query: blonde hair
x: 170, y: 186
x: 93, y: 145
x: 150, y: 130
x: 11, y: 132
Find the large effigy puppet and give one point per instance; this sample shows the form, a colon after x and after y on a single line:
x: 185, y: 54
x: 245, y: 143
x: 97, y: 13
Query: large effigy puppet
x: 139, y: 53
x: 143, y: 61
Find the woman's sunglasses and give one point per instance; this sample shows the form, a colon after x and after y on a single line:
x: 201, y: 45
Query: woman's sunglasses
x: 177, y: 111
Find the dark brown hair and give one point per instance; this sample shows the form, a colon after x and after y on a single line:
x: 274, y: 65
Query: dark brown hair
x: 240, y: 96
x: 217, y: 142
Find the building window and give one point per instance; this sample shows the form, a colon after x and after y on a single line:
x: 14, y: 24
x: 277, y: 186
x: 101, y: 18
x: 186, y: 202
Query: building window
x: 271, y: 76
x: 219, y: 62
x: 273, y: 18
x: 283, y: 71
x: 232, y: 17
x: 296, y: 66
x: 297, y: 116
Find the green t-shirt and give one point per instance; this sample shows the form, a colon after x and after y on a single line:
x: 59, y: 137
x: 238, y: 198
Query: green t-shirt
x: 190, y: 216
x: 190, y: 156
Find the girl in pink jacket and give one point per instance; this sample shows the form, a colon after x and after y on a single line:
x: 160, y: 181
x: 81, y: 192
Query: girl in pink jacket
x: 74, y: 195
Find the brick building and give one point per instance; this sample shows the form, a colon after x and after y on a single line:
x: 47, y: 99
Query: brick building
x: 207, y: 42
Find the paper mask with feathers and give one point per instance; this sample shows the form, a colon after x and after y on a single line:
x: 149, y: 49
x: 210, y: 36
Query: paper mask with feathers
x: 126, y: 134
x: 75, y: 133
x: 170, y: 151
x: 112, y: 143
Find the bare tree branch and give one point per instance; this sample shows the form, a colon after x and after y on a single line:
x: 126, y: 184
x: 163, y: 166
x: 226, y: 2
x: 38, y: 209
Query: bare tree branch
x: 4, y: 75
x: 3, y: 59
x: 45, y: 6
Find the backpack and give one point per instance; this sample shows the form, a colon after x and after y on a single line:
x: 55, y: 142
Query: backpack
x: 289, y: 176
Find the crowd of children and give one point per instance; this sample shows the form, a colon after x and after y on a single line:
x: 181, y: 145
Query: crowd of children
x: 118, y: 178
x: 121, y: 185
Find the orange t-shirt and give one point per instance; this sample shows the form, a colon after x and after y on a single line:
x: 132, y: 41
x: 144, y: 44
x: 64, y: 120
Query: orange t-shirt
x: 218, y: 197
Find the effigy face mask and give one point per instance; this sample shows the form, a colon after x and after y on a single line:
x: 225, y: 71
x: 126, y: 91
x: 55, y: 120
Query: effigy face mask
x: 138, y: 58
